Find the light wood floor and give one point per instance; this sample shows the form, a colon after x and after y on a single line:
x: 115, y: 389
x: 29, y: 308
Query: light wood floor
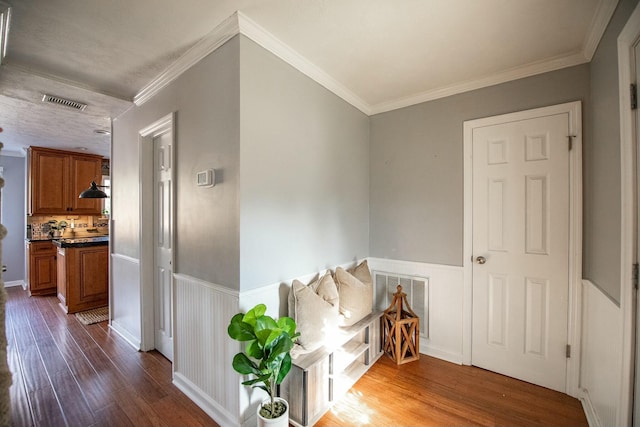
x: 69, y: 374
x: 432, y: 392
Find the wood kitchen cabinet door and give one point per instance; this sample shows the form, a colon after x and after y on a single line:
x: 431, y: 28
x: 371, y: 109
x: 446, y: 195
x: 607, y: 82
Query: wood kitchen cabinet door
x: 48, y: 182
x: 56, y: 179
x: 83, y: 171
x: 42, y: 275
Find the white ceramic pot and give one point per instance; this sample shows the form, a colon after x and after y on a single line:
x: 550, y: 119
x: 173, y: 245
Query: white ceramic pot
x: 282, y: 421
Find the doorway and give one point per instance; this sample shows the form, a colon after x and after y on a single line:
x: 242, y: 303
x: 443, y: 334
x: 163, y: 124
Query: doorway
x: 523, y: 245
x: 157, y: 198
x: 634, y: 256
x: 628, y: 52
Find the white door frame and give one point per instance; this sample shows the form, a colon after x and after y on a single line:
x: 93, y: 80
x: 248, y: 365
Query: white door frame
x: 626, y: 75
x: 575, y: 233
x: 145, y: 154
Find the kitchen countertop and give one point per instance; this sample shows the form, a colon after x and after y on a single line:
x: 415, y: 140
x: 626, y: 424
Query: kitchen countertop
x: 52, y: 239
x: 81, y: 242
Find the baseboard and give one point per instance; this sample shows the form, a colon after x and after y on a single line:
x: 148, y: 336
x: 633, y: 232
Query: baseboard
x: 589, y: 410
x: 441, y: 354
x: 15, y: 283
x: 132, y: 340
x: 211, y: 407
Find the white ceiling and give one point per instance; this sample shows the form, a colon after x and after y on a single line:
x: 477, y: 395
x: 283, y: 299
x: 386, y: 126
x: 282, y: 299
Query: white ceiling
x: 386, y: 53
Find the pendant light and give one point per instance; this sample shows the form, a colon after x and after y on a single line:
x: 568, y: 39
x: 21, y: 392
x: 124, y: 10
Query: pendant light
x: 93, y: 192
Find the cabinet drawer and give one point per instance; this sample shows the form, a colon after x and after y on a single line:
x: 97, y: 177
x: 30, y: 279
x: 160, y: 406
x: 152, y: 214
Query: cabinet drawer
x: 42, y: 247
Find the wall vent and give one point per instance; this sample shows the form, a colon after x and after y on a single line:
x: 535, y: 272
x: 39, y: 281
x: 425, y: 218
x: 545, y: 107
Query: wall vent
x: 52, y: 99
x: 416, y: 288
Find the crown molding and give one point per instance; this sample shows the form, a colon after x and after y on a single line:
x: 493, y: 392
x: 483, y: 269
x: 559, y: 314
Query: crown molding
x: 528, y: 70
x: 601, y: 18
x: 222, y: 33
x: 239, y: 23
x: 268, y: 41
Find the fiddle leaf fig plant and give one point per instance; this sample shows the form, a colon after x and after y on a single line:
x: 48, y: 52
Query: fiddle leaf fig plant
x: 267, y: 353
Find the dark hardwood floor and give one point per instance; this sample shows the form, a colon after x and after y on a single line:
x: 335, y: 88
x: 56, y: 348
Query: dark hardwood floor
x: 69, y: 374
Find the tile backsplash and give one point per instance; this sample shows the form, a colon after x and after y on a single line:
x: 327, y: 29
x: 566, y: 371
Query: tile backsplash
x: 38, y: 227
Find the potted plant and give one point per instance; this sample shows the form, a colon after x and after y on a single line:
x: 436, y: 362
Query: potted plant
x: 267, y: 357
x: 57, y: 228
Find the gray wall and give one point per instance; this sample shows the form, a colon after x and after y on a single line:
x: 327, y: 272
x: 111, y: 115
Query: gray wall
x: 292, y: 163
x: 299, y: 154
x: 602, y: 163
x: 417, y: 163
x: 14, y: 217
x: 206, y: 102
x: 304, y: 173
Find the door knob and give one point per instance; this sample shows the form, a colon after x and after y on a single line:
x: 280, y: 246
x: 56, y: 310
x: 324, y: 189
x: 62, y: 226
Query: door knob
x: 481, y: 260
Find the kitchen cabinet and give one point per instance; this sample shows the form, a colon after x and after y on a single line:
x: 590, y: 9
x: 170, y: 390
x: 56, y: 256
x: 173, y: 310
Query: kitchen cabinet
x: 83, y: 274
x: 41, y: 271
x: 56, y: 179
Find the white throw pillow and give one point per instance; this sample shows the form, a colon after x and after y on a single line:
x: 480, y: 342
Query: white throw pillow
x: 355, y: 290
x: 315, y: 310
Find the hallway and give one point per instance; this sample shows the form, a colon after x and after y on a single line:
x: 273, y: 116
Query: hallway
x: 66, y: 373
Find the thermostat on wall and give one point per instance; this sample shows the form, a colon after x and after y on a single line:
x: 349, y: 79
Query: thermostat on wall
x: 206, y: 178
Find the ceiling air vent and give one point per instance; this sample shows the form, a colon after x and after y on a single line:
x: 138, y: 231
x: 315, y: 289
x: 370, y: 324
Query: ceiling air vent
x: 52, y: 99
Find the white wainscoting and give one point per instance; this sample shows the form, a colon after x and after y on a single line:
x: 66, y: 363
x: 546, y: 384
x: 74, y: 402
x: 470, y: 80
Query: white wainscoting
x: 600, y: 379
x: 445, y: 304
x: 203, y: 351
x: 125, y: 298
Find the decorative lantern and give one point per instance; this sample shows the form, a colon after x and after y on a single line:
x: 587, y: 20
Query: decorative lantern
x: 401, y: 329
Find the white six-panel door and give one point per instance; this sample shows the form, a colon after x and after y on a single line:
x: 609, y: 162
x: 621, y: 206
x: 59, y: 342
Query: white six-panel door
x: 521, y: 249
x: 162, y: 225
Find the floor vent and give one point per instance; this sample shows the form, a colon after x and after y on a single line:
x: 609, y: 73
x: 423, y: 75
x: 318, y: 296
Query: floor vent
x: 52, y: 99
